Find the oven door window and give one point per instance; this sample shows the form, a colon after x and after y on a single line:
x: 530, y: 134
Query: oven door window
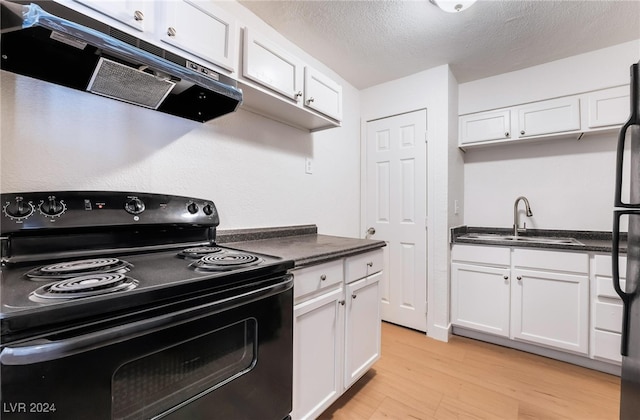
x: 177, y: 375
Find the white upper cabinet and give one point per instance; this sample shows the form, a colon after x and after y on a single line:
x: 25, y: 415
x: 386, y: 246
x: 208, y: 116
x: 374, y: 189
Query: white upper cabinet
x: 547, y: 117
x: 485, y: 126
x: 200, y: 28
x: 569, y: 116
x: 279, y: 85
x: 608, y: 107
x: 266, y: 63
x: 322, y: 94
x: 133, y: 13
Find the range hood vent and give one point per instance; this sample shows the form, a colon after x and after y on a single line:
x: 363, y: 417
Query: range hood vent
x: 67, y: 48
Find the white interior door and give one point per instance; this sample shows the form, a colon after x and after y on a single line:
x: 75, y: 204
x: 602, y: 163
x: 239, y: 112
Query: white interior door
x: 396, y: 209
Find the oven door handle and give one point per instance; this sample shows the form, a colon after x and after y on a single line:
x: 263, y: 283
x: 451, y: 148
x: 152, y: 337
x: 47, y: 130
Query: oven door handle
x: 43, y: 350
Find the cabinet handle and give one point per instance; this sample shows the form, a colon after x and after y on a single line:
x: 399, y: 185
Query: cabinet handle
x: 298, y: 94
x: 506, y: 134
x: 522, y: 132
x: 341, y: 302
x: 369, y: 264
x: 138, y: 15
x: 505, y: 277
x: 310, y: 100
x: 519, y: 277
x: 171, y: 31
x: 353, y: 296
x: 323, y: 277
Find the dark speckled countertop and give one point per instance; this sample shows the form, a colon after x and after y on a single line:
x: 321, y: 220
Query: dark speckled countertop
x: 591, y: 241
x: 299, y: 243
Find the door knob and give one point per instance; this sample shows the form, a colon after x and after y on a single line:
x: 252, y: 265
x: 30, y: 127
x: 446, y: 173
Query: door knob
x: 371, y: 231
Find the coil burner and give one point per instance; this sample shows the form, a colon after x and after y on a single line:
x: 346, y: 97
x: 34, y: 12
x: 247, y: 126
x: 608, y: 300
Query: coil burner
x: 78, y: 268
x: 198, y: 252
x: 225, y: 262
x: 83, y: 286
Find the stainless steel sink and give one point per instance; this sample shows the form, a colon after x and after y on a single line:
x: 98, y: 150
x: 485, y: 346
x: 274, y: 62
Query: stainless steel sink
x: 521, y: 239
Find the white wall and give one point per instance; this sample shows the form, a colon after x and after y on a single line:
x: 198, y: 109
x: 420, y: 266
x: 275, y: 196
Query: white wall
x: 568, y: 182
x: 429, y: 89
x: 54, y: 138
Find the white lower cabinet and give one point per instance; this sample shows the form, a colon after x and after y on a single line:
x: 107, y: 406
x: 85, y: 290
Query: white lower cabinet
x: 537, y: 296
x: 551, y: 309
x: 362, y: 328
x: 336, y: 333
x: 480, y: 279
x: 317, y: 354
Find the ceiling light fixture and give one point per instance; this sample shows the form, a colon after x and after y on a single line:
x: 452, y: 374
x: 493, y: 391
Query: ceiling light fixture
x: 453, y: 6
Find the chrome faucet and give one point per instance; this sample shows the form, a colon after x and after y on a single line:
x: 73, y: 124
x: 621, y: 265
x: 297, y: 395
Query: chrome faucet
x: 516, y: 223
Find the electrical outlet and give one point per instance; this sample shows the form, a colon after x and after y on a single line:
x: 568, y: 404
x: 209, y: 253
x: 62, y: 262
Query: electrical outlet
x: 456, y: 207
x: 308, y: 166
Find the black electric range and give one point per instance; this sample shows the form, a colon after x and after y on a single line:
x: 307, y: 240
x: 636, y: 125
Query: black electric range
x: 77, y: 265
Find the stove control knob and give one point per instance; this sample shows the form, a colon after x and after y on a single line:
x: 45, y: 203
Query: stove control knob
x: 134, y: 206
x: 52, y: 207
x: 192, y: 208
x: 208, y: 209
x: 18, y: 210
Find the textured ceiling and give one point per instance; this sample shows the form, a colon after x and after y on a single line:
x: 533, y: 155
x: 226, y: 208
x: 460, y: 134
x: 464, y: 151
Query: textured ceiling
x: 371, y: 42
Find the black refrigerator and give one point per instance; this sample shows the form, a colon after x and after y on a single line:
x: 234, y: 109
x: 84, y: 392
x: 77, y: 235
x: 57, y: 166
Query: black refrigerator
x: 627, y: 212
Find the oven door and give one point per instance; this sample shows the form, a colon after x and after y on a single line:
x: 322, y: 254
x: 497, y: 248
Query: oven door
x: 228, y: 358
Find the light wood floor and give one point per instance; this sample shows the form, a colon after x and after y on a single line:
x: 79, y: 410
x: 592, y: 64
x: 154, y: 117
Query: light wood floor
x: 421, y: 378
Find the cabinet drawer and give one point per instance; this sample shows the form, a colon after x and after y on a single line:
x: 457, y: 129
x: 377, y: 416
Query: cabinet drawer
x: 485, y: 255
x: 604, y: 287
x: 572, y: 262
x: 603, y: 265
x: 608, y: 317
x: 311, y: 279
x: 607, y: 346
x: 363, y: 265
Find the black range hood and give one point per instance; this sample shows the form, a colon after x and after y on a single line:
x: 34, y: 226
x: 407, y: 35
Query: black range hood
x: 64, y: 47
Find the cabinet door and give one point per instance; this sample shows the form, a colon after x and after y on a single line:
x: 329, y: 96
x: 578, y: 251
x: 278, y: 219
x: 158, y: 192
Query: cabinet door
x: 549, y: 117
x: 322, y: 94
x: 266, y: 63
x: 130, y: 12
x: 480, y: 298
x: 551, y: 309
x: 317, y: 354
x: 485, y: 126
x: 608, y: 107
x: 200, y: 28
x: 362, y: 328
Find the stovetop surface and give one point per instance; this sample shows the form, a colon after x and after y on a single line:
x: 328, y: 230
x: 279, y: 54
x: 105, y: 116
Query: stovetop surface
x: 162, y: 277
x: 152, y: 271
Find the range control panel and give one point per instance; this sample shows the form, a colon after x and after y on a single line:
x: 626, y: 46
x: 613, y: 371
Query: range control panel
x: 76, y: 209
